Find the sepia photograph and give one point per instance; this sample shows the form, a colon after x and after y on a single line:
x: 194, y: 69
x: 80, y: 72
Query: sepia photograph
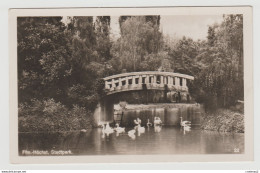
x: 121, y: 84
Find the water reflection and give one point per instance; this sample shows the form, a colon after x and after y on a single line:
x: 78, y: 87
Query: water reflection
x: 155, y: 140
x: 185, y: 129
x: 163, y: 116
x: 157, y: 128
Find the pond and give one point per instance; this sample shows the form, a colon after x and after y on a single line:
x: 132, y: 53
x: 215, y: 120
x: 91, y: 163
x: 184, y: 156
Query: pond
x: 158, y: 140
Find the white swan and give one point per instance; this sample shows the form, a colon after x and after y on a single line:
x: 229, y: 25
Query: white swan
x: 157, y: 121
x: 148, y: 123
x: 83, y: 130
x: 131, y: 134
x: 184, y: 123
x: 140, y: 129
x: 107, y: 129
x: 137, y: 121
x: 119, y: 129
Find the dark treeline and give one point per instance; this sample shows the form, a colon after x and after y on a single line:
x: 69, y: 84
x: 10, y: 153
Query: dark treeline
x: 61, y: 64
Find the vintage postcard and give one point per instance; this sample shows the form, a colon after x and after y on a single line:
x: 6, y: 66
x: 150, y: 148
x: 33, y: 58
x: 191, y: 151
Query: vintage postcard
x: 127, y: 85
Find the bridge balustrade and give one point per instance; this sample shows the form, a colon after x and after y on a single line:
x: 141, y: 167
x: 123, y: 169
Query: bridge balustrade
x: 152, y: 80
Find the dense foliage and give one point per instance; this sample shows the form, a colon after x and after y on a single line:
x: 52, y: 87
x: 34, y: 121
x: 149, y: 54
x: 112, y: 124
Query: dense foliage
x: 219, y: 82
x: 61, y: 63
x: 224, y: 120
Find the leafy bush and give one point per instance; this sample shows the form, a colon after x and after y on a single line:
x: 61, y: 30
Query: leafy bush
x: 223, y: 120
x: 49, y: 115
x: 81, y: 118
x: 51, y: 108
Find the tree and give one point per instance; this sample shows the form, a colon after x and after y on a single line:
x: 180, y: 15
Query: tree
x: 221, y: 76
x: 90, y: 53
x: 183, y: 55
x: 211, y: 36
x: 43, y: 57
x: 102, y: 31
x: 83, y: 47
x: 138, y: 39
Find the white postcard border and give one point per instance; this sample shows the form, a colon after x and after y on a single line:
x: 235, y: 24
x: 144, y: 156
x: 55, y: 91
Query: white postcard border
x: 248, y: 84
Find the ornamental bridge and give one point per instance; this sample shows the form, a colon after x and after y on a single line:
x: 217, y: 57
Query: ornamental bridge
x: 150, y: 80
x: 145, y: 87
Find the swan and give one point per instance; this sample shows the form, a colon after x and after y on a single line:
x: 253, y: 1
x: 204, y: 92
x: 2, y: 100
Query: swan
x: 107, y: 129
x: 131, y: 132
x: 119, y: 129
x: 157, y: 121
x: 184, y: 123
x: 137, y: 121
x: 140, y: 129
x: 148, y: 123
x: 83, y: 130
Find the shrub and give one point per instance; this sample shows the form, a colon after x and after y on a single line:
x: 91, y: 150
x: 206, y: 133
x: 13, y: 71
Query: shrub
x: 48, y: 115
x: 51, y: 108
x: 82, y: 119
x: 223, y: 120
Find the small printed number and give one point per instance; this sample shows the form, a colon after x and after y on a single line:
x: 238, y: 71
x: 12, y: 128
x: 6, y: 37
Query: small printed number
x: 236, y: 150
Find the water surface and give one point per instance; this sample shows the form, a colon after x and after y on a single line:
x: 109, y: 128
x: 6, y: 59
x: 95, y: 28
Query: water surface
x: 165, y: 140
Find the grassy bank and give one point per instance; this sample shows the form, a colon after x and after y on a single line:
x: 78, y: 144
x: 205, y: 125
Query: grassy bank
x: 223, y: 120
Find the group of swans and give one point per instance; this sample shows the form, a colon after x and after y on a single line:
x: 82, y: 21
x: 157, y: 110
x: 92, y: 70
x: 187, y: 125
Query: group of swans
x: 138, y: 129
x: 131, y: 133
x: 107, y: 129
x: 157, y: 124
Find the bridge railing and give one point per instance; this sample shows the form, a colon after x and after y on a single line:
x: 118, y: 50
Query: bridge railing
x: 152, y: 80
